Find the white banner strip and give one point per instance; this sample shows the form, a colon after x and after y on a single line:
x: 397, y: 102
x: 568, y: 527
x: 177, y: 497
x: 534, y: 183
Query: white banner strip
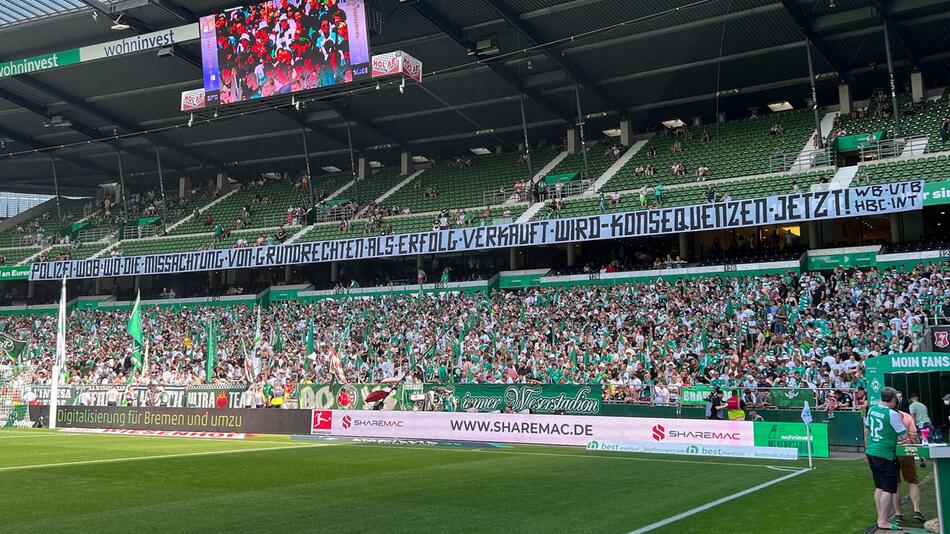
x: 695, y: 449
x: 138, y: 43
x: 782, y: 209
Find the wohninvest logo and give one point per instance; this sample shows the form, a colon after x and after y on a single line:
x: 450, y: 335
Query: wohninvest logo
x: 139, y: 43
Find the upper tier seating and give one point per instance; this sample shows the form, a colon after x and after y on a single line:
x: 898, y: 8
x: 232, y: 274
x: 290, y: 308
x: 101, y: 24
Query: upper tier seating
x: 925, y: 168
x: 916, y: 119
x: 598, y: 161
x: 739, y: 189
x: 736, y: 148
x: 403, y: 224
x: 72, y: 209
x: 464, y: 187
x: 268, y: 205
x: 13, y: 256
x: 372, y: 187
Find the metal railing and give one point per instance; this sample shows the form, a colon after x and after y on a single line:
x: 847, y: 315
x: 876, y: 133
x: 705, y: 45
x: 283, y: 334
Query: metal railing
x: 500, y: 196
x: 332, y: 213
x: 569, y: 189
x: 891, y: 148
x: 805, y: 160
x: 138, y: 232
x: 277, y: 219
x: 92, y: 234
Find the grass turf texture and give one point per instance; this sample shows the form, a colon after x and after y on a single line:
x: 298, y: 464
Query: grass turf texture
x: 272, y: 483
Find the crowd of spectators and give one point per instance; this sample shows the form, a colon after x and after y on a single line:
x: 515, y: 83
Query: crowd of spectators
x: 811, y: 330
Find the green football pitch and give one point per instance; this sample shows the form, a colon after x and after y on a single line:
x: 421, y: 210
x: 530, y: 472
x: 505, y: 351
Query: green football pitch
x: 60, y: 482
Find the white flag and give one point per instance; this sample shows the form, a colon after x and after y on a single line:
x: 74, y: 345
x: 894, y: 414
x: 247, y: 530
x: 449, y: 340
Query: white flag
x: 806, y: 413
x: 61, y: 329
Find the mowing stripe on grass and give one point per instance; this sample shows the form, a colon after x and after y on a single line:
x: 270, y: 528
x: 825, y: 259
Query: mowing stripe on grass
x: 717, y: 502
x: 152, y: 457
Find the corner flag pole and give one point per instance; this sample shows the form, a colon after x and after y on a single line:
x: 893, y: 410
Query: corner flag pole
x: 60, y: 359
x: 806, y: 418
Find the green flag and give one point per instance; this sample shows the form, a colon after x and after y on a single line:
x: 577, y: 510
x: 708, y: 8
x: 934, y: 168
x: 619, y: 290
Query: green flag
x: 309, y: 339
x: 10, y: 347
x: 212, y: 360
x: 135, y: 330
x: 730, y: 312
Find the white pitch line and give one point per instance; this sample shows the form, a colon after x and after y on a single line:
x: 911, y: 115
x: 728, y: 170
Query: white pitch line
x: 153, y: 457
x: 562, y: 455
x: 717, y: 502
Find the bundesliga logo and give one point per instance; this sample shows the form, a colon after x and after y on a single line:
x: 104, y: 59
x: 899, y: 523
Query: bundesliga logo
x: 322, y: 420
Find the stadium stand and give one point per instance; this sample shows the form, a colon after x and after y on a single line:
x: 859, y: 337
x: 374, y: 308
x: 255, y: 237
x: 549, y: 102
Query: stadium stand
x: 372, y: 187
x: 697, y: 193
x: 599, y: 158
x: 408, y: 223
x: 923, y: 168
x: 736, y: 148
x: 450, y: 184
x: 13, y: 256
x: 922, y: 118
x: 255, y: 206
x: 45, y: 225
x: 514, y: 342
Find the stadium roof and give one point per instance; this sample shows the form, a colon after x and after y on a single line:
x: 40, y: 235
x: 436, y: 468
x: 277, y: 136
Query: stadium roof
x: 670, y: 59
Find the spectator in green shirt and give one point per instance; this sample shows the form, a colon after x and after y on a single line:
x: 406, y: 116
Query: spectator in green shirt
x: 883, y: 429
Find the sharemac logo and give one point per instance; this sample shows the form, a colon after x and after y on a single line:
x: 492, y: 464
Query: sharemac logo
x: 347, y: 421
x: 659, y: 432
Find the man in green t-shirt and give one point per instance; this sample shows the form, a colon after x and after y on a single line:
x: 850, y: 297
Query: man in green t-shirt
x: 883, y: 429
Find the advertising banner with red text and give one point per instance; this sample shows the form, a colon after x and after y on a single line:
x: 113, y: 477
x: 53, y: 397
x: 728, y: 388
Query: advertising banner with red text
x: 523, y: 428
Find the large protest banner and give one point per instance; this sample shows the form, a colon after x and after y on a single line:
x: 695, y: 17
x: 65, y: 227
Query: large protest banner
x: 781, y: 209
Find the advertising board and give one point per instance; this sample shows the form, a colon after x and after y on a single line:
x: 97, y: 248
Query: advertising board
x: 534, y: 429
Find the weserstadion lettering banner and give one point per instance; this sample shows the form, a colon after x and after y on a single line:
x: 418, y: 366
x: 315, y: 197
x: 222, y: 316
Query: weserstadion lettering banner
x: 782, y: 209
x: 570, y: 430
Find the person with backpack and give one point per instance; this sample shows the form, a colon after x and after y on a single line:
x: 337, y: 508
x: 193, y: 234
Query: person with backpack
x: 714, y: 404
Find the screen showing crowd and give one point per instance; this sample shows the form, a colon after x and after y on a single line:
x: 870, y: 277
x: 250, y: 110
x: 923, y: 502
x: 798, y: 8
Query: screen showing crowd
x: 282, y: 47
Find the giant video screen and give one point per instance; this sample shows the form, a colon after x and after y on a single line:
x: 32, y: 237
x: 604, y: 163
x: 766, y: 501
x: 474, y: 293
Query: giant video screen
x: 281, y: 47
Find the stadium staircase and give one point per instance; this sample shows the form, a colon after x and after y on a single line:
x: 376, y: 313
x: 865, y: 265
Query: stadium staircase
x: 399, y: 186
x: 805, y: 159
x: 463, y: 187
x: 617, y: 165
x: 597, y: 162
x: 279, y: 194
x: 547, y: 169
x: 736, y: 149
x: 843, y: 177
x: 211, y: 204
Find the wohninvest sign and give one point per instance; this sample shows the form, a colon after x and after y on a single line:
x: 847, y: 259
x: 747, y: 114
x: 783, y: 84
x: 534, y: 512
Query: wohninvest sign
x: 39, y: 63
